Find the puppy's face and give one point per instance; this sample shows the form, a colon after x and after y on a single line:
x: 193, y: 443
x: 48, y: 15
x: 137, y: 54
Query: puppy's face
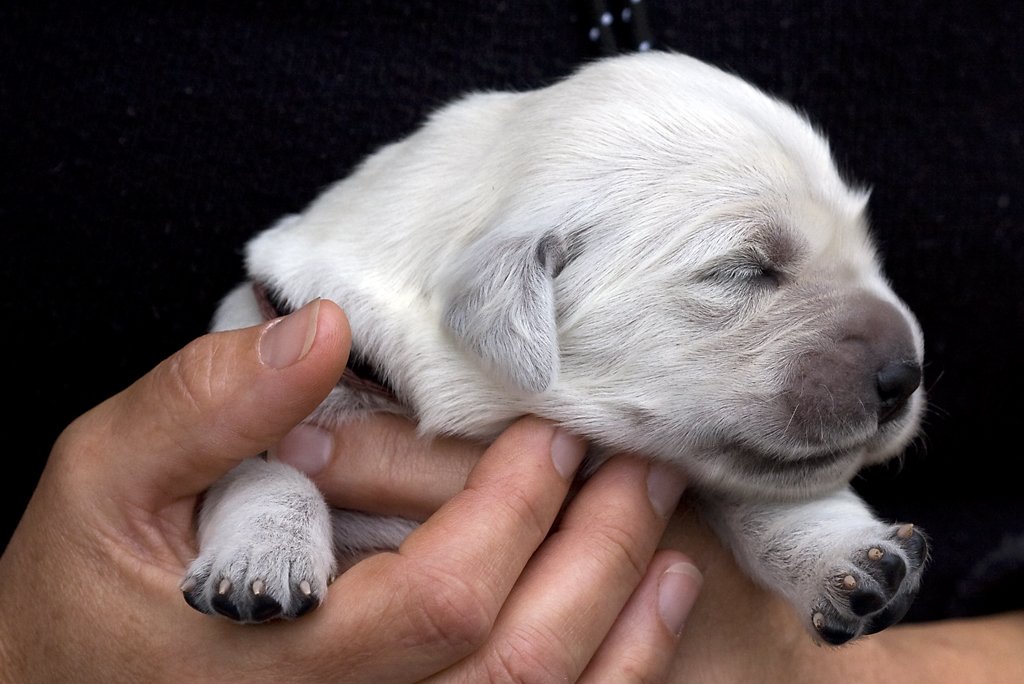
x: 767, y: 354
x: 709, y: 295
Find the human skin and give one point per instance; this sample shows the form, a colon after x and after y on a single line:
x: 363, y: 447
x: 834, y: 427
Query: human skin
x: 481, y: 591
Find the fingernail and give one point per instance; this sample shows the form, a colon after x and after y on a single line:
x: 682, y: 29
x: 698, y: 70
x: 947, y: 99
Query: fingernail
x: 288, y: 339
x: 307, y: 448
x: 664, y: 487
x: 677, y: 592
x: 567, y: 452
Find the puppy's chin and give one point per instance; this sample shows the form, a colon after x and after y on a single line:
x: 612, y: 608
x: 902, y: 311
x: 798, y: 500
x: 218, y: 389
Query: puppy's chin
x: 767, y: 472
x: 739, y: 470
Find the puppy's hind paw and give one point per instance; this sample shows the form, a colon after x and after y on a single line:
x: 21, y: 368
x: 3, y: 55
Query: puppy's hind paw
x: 256, y: 592
x: 265, y: 546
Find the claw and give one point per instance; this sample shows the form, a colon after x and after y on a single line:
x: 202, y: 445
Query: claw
x: 305, y: 601
x: 831, y: 635
x: 192, y: 601
x: 917, y: 546
x: 893, y: 571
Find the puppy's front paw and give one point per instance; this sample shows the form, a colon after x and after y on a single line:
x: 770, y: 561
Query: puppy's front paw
x: 263, y: 555
x: 257, y: 584
x: 872, y: 587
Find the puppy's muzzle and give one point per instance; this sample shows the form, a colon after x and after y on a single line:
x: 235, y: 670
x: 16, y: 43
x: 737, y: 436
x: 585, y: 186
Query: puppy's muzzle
x: 860, y: 378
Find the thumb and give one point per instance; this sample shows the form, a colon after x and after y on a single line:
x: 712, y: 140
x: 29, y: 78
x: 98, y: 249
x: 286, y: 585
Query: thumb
x: 223, y: 398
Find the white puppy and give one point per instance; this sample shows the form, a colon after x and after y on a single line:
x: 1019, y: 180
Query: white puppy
x: 651, y: 252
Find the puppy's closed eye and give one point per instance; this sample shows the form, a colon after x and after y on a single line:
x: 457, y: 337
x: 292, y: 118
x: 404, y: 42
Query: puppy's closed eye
x: 766, y: 259
x: 748, y: 269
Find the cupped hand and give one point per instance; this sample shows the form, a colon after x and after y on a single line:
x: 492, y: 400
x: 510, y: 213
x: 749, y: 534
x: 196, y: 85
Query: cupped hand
x: 483, y: 589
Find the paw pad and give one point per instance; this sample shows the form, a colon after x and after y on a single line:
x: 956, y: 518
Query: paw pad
x: 875, y: 589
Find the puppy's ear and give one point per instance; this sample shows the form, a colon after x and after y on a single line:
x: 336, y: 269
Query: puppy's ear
x: 501, y: 307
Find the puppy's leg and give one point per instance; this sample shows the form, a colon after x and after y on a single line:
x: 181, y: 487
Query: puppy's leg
x: 846, y: 572
x: 358, y: 534
x: 265, y: 546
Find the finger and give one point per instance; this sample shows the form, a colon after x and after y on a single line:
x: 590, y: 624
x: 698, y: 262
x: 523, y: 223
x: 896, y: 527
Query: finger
x: 577, y: 583
x: 381, y: 464
x: 444, y: 587
x: 642, y: 643
x: 224, y: 397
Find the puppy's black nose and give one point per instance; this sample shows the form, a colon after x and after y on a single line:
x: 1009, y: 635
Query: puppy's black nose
x: 895, y: 383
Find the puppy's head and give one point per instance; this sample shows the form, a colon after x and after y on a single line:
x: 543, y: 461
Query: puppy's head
x: 679, y: 270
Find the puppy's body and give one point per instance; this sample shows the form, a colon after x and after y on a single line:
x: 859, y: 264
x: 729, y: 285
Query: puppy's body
x: 650, y: 252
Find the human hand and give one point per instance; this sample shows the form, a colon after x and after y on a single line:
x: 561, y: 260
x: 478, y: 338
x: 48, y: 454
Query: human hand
x: 89, y: 581
x: 737, y: 632
x: 551, y: 622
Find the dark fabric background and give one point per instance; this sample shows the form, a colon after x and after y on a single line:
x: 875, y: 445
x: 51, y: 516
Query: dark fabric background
x: 143, y: 142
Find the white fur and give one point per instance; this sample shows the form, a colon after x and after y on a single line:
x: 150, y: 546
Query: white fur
x: 660, y: 257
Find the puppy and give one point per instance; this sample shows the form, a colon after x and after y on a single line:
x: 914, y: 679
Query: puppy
x: 652, y: 253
